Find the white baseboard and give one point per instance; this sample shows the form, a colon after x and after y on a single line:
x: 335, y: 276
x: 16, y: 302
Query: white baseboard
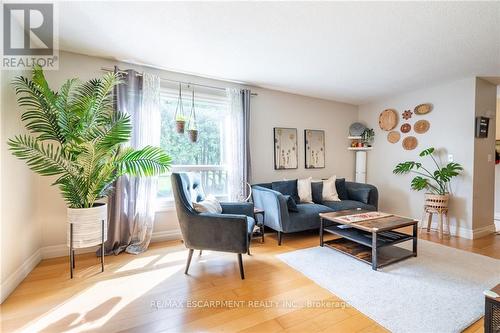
x: 54, y: 251
x: 61, y: 250
x: 468, y: 233
x: 8, y: 286
x: 168, y: 235
x: 497, y: 221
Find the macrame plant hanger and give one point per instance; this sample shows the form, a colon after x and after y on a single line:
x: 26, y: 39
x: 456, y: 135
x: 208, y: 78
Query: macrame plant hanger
x: 180, y: 119
x: 192, y: 124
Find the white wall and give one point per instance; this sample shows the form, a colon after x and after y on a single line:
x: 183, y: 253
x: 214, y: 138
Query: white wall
x: 484, y: 160
x: 456, y: 104
x: 269, y: 109
x: 497, y: 166
x: 20, y: 229
x: 276, y: 109
x: 452, y: 128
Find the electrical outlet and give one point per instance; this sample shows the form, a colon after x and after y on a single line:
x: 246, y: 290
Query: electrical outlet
x: 450, y: 158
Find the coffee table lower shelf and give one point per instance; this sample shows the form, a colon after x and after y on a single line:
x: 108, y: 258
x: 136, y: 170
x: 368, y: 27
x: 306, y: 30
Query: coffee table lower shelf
x: 385, y: 255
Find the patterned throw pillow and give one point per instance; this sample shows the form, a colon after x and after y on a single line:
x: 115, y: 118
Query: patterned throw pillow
x: 209, y: 205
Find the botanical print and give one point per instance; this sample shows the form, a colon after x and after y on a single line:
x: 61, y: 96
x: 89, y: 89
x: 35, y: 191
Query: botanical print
x: 315, y: 148
x: 285, y: 148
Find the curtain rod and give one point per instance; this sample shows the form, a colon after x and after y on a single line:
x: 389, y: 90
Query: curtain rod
x: 107, y: 69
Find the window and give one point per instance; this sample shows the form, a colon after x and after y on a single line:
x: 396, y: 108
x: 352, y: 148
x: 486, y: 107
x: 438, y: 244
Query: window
x: 207, y: 155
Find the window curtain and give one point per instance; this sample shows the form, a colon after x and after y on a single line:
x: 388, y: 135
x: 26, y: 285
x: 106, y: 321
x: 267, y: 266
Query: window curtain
x: 238, y: 144
x: 132, y: 205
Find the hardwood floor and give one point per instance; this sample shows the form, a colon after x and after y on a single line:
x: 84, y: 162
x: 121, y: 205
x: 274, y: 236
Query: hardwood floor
x: 141, y: 293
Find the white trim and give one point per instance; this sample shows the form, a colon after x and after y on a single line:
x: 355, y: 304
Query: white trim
x: 12, y: 281
x: 161, y: 236
x: 61, y: 250
x: 483, y: 231
x: 467, y: 233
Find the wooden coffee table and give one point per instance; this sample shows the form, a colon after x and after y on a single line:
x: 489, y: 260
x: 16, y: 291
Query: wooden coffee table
x: 370, y: 241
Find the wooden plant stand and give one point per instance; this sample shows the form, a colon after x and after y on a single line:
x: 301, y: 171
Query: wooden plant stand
x: 436, y: 204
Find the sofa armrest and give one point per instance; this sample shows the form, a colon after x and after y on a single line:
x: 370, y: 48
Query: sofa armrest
x: 366, y: 193
x: 244, y: 208
x: 218, y: 232
x: 274, y: 205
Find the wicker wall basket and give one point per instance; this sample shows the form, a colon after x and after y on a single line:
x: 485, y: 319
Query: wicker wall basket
x: 436, y: 203
x: 87, y: 225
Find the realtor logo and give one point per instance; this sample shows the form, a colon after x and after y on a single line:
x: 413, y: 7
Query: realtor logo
x: 28, y: 35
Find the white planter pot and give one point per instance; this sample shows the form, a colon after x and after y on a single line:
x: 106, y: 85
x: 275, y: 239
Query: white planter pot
x: 87, y: 225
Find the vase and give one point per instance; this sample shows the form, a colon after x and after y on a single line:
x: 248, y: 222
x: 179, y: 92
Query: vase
x: 87, y: 225
x: 179, y: 126
x: 193, y: 135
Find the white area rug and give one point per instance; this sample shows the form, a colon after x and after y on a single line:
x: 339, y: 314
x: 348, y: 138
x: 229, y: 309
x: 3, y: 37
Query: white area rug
x: 441, y: 290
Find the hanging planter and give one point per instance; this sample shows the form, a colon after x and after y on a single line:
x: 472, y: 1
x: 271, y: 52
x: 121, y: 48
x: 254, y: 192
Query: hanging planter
x: 180, y: 119
x: 192, y: 125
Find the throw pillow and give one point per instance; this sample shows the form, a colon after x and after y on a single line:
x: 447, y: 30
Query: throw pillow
x: 291, y: 204
x: 341, y: 189
x: 317, y: 191
x: 359, y: 194
x: 286, y: 187
x: 304, y: 189
x: 209, y: 205
x: 329, y: 189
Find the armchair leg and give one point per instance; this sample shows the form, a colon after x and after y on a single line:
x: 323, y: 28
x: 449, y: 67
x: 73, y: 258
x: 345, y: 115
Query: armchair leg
x: 240, y: 263
x: 190, y: 255
x: 280, y: 237
x: 249, y: 240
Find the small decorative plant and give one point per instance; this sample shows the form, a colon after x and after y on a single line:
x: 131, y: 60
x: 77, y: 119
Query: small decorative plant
x: 180, y: 123
x: 436, y: 182
x: 368, y: 136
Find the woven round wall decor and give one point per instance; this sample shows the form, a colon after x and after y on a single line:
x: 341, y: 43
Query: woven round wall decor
x: 421, y: 126
x: 405, y: 128
x: 410, y: 143
x: 423, y: 108
x: 393, y: 136
x: 388, y: 119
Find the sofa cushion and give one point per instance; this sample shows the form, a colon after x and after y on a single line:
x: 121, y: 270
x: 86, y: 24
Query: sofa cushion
x: 287, y: 187
x: 306, y: 218
x: 317, y: 192
x: 359, y: 194
x: 347, y: 204
x: 291, y: 204
x: 341, y: 189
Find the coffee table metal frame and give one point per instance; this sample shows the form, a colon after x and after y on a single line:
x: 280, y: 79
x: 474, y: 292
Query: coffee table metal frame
x: 358, y: 239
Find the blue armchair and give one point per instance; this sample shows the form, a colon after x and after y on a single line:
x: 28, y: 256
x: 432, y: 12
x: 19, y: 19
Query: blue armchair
x: 227, y: 232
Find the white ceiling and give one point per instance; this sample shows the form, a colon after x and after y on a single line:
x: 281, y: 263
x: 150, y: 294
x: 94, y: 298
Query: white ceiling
x: 346, y: 51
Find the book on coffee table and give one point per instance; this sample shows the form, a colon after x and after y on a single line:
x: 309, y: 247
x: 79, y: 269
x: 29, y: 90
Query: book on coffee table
x: 353, y: 218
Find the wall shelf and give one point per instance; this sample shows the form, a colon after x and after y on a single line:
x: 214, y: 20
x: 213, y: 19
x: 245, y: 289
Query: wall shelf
x: 355, y: 137
x: 359, y: 148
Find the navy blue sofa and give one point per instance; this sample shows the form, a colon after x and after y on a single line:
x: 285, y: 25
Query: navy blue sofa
x: 279, y: 218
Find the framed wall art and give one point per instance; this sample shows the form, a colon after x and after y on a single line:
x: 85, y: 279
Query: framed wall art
x: 314, y: 148
x: 285, y: 148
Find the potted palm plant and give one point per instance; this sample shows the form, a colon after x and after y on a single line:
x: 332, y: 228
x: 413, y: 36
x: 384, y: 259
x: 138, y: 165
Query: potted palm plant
x: 435, y: 182
x: 77, y: 136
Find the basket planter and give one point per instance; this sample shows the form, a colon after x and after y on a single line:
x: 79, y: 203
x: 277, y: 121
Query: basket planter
x: 193, y: 135
x: 179, y: 126
x: 87, y: 225
x: 436, y: 202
